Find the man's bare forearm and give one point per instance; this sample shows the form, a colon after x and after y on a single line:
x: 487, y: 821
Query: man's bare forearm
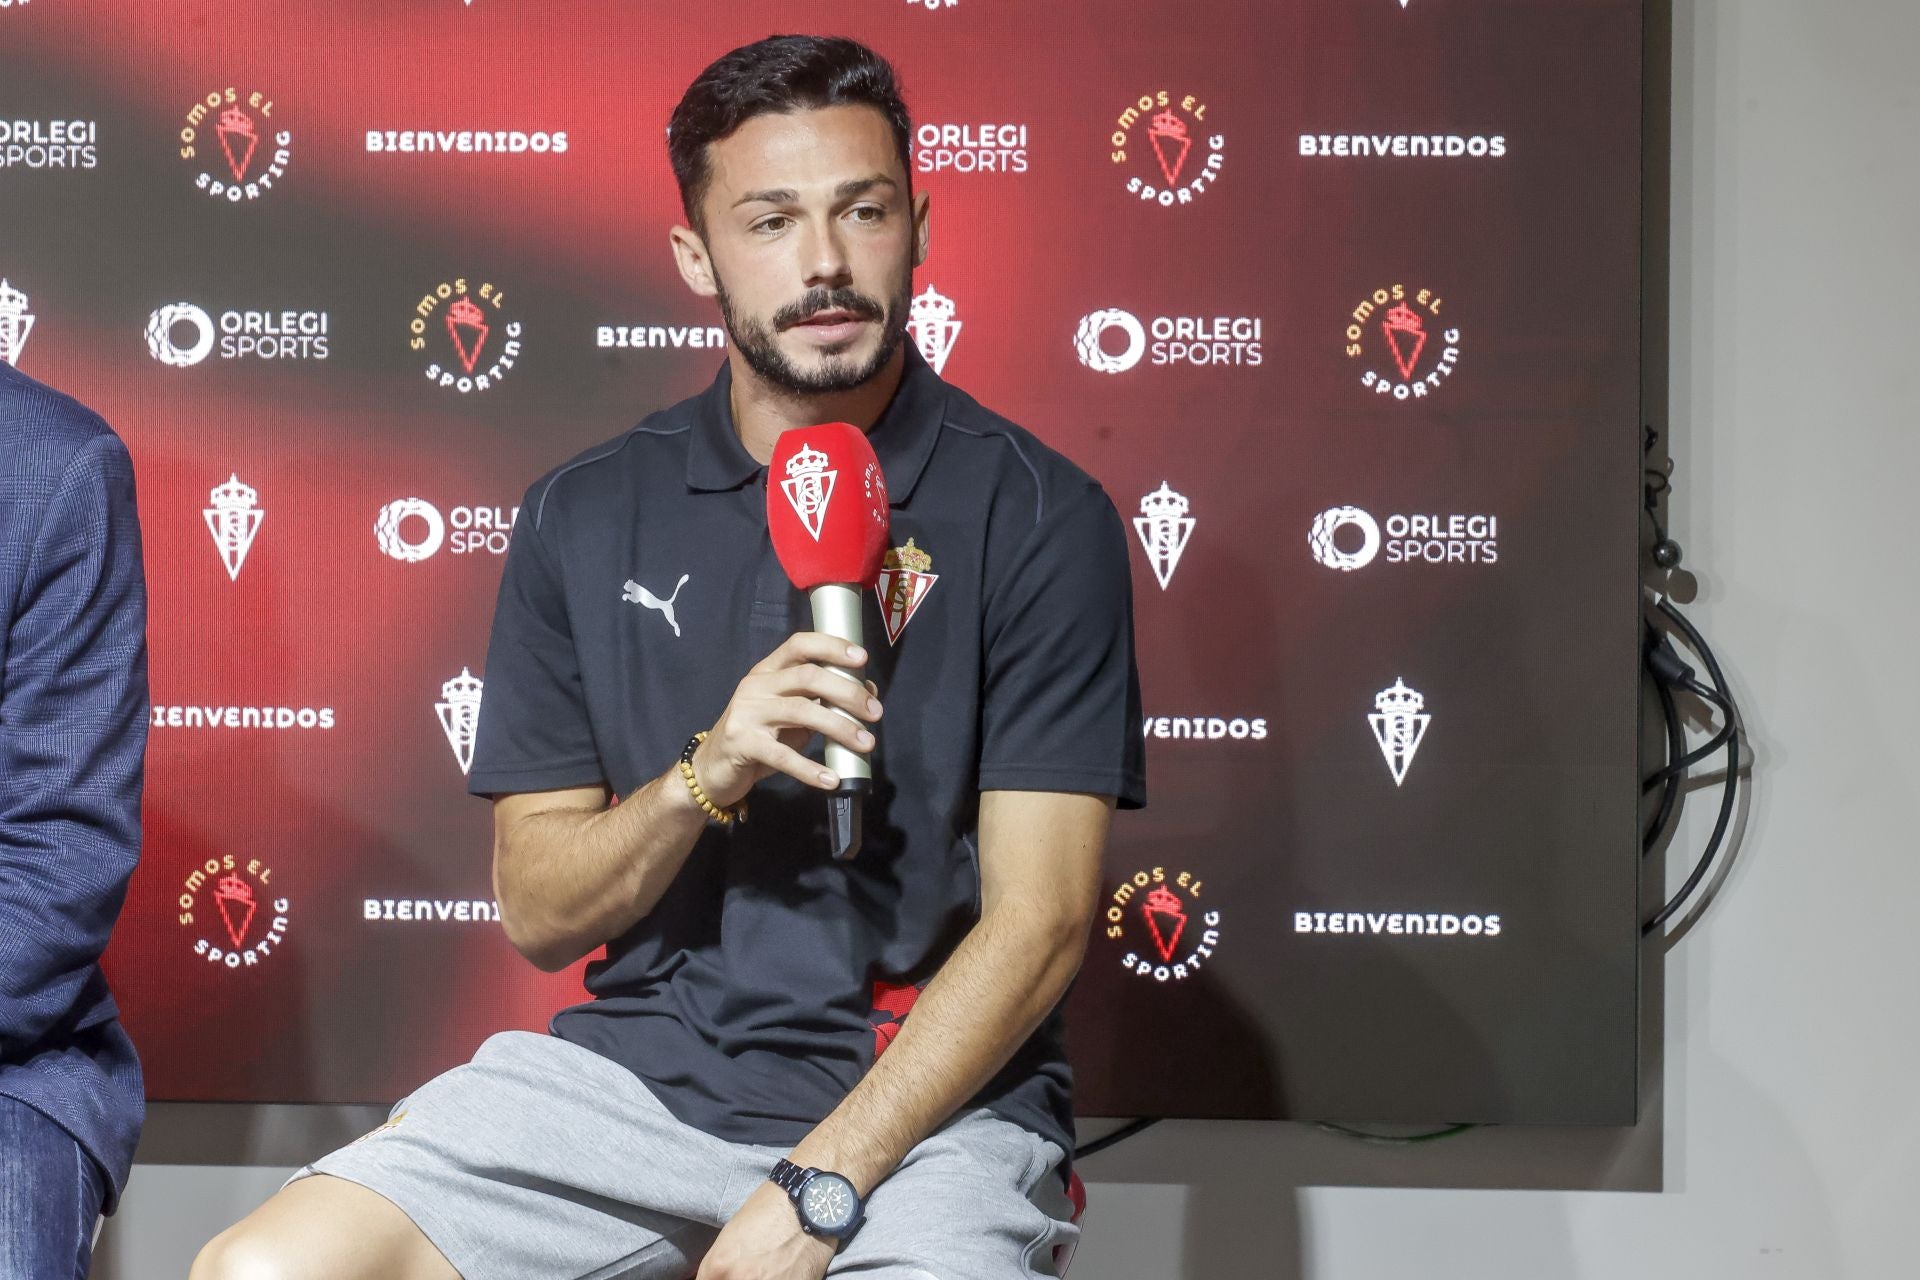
x: 570, y: 880
x: 992, y: 993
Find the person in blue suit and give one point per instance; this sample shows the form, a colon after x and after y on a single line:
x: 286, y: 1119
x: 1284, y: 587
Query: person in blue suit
x: 73, y: 732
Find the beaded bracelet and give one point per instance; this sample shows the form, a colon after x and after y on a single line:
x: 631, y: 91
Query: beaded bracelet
x: 725, y: 817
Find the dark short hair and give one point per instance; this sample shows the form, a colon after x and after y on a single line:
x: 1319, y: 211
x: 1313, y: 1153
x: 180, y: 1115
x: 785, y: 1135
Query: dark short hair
x: 775, y: 76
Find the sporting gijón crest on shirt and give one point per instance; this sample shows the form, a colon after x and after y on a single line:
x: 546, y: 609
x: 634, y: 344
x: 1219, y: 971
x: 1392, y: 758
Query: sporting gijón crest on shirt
x: 906, y: 576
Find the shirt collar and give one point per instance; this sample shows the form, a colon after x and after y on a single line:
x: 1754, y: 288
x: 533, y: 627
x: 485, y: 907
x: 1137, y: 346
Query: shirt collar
x: 903, y: 437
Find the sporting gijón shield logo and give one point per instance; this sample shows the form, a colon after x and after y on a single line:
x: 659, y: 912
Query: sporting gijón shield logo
x: 1164, y: 528
x: 809, y: 487
x: 459, y: 712
x: 1399, y: 721
x: 934, y: 326
x: 905, y: 579
x: 234, y: 521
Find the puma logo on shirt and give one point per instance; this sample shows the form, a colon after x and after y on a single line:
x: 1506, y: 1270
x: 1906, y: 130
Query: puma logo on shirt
x: 634, y: 593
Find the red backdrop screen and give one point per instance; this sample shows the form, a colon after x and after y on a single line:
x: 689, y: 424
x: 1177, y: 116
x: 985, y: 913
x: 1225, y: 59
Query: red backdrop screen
x: 1338, y: 298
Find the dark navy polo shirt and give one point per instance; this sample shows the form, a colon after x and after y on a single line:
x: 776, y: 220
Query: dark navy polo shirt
x: 640, y: 587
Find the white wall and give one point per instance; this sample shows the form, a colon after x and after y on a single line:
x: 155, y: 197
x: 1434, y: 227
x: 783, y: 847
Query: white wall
x: 1782, y: 1136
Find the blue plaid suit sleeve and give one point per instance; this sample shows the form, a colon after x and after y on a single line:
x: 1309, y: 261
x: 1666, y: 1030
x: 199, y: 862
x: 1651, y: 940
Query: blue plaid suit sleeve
x: 73, y: 729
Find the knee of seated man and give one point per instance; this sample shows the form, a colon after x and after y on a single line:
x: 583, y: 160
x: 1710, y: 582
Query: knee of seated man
x: 323, y: 1228
x: 242, y: 1252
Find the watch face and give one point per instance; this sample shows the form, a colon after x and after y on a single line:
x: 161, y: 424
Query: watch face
x: 829, y: 1202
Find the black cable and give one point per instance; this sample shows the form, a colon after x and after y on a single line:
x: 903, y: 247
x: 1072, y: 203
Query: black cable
x: 1676, y: 744
x: 1393, y: 1140
x: 1730, y: 786
x: 1678, y: 767
x: 1119, y: 1135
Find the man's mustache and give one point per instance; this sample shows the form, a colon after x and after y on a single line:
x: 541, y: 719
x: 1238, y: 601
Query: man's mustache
x: 820, y: 300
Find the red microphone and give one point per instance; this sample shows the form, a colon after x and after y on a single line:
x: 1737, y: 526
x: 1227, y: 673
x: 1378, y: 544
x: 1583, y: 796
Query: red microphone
x: 827, y: 513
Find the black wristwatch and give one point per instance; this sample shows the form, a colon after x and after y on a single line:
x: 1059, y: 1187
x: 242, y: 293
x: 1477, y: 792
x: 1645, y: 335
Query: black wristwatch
x: 825, y: 1202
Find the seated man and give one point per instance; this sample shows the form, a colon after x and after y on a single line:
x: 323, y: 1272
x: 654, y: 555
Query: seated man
x: 73, y: 732
x: 746, y: 1093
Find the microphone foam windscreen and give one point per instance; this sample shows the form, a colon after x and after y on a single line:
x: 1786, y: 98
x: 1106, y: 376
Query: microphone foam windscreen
x: 827, y: 506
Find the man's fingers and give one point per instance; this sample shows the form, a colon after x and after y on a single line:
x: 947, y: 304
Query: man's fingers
x: 825, y: 721
x: 828, y: 686
x: 777, y: 755
x: 812, y: 646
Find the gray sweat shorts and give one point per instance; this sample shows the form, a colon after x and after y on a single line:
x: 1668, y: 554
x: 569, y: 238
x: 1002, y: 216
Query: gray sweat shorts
x: 541, y: 1158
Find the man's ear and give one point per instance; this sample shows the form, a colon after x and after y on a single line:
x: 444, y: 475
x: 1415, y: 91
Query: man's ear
x: 922, y: 227
x: 690, y: 255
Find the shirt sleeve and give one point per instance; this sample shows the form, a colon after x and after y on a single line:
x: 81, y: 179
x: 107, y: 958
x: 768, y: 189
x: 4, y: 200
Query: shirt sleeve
x: 534, y: 733
x: 73, y: 734
x: 1060, y: 710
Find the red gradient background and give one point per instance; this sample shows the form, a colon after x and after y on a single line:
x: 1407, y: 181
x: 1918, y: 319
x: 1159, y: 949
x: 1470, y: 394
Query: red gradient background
x: 1520, y: 803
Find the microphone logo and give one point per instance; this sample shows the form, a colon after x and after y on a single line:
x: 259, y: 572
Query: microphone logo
x: 809, y: 487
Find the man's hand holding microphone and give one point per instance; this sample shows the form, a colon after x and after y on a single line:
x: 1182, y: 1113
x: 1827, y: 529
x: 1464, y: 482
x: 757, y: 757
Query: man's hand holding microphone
x: 828, y: 517
x: 782, y: 701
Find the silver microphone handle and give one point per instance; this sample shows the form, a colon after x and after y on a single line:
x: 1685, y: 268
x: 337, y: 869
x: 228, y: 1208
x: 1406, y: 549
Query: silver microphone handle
x: 836, y: 611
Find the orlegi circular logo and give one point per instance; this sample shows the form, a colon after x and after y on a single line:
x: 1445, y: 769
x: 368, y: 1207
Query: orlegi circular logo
x: 1090, y: 341
x: 180, y: 334
x: 1327, y: 527
x: 395, y: 538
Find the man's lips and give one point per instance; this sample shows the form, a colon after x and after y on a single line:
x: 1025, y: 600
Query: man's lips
x: 836, y: 317
x: 832, y: 328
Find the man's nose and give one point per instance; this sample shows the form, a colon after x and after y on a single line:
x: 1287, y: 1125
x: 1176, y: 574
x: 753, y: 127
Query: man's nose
x: 824, y: 260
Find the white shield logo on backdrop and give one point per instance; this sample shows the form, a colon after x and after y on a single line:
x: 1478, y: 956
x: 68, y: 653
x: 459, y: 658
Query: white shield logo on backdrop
x: 1399, y: 725
x: 1164, y: 528
x: 459, y: 711
x: 932, y: 325
x: 16, y: 322
x: 234, y: 520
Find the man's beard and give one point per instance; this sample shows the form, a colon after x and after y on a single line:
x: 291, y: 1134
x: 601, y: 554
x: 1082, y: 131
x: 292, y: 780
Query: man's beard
x: 755, y: 338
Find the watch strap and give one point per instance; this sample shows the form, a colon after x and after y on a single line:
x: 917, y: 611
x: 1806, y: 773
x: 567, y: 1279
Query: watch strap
x: 789, y: 1177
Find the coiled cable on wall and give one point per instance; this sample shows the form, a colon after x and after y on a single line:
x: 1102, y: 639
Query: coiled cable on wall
x: 1670, y: 673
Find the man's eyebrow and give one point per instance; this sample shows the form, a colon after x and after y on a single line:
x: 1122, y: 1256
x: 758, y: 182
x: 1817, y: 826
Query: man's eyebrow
x: 860, y: 186
x: 787, y: 195
x: 779, y: 195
